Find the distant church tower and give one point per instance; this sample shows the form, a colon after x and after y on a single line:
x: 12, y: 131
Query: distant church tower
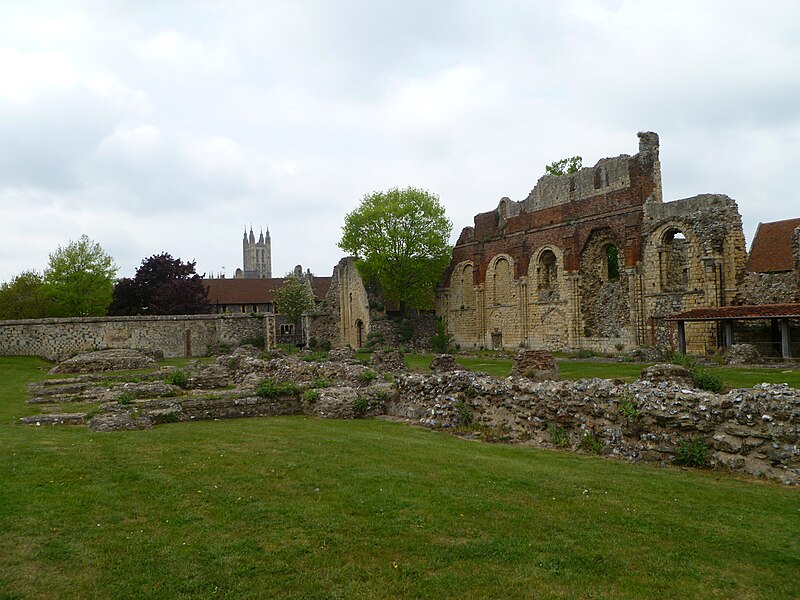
x: 256, y: 256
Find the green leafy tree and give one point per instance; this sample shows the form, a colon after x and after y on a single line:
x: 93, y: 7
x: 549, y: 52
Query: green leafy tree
x: 293, y: 298
x: 24, y: 297
x: 80, y: 279
x: 400, y: 238
x: 565, y: 166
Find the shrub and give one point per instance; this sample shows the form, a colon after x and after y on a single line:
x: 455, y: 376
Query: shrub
x: 320, y: 382
x: 272, y: 389
x: 442, y: 341
x: 683, y: 360
x: 557, y: 435
x: 405, y: 330
x: 360, y: 406
x: 125, y: 398
x: 311, y: 395
x: 627, y: 408
x: 257, y: 341
x: 590, y: 443
x: 463, y: 412
x: 315, y: 356
x: 179, y: 378
x: 367, y: 376
x: 585, y: 354
x: 691, y: 454
x: 325, y: 345
x: 709, y: 382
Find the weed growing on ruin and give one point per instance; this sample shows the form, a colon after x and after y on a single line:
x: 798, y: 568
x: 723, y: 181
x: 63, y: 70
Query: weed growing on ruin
x: 311, y: 395
x: 257, y: 341
x: 683, y: 360
x: 627, y: 407
x: 179, y: 378
x: 463, y: 412
x: 320, y: 382
x: 590, y: 443
x: 558, y: 436
x: 367, y: 376
x: 360, y: 406
x: 585, y: 354
x: 315, y: 356
x: 692, y: 453
x: 125, y: 398
x: 470, y: 392
x: 272, y: 389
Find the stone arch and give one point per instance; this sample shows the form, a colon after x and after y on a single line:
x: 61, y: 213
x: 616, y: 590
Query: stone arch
x: 544, y: 273
x: 605, y: 298
x: 462, y: 288
x: 500, y: 280
x: 675, y: 251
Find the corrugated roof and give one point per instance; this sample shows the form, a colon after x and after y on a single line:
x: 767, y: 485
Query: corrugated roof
x: 760, y: 311
x: 255, y: 291
x: 772, y: 247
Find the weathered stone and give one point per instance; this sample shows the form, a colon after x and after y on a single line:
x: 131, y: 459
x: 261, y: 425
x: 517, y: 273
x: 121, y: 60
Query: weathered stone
x: 118, y: 421
x: 343, y: 353
x: 389, y: 360
x: 742, y: 354
x: 536, y: 365
x: 667, y: 372
x: 445, y: 362
x: 105, y: 360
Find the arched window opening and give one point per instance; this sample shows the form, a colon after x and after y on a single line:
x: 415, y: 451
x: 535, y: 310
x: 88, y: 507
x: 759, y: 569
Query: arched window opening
x: 547, y: 270
x: 675, y: 261
x: 612, y: 262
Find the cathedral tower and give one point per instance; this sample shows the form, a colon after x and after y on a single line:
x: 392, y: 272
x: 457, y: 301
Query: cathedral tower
x: 256, y: 255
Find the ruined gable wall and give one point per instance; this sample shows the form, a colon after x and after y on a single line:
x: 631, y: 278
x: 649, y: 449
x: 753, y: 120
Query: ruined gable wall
x: 561, y: 213
x: 703, y: 268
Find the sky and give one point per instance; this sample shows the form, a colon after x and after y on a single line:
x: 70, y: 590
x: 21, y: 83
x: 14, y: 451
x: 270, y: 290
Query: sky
x: 168, y: 126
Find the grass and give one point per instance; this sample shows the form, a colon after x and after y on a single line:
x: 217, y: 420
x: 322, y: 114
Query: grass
x: 296, y: 507
x: 732, y: 377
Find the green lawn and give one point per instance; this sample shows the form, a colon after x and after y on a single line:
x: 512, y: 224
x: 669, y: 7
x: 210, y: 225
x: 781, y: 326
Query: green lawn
x: 309, y: 508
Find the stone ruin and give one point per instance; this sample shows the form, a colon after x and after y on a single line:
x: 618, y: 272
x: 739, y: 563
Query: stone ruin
x: 108, y: 360
x: 536, y: 365
x: 754, y: 431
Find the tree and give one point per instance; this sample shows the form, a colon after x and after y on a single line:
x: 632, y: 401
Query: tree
x: 293, y: 298
x: 162, y: 286
x: 565, y: 166
x: 400, y: 238
x: 80, y: 279
x: 24, y: 297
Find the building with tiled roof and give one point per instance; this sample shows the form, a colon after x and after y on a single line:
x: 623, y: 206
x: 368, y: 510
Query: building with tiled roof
x: 774, y: 248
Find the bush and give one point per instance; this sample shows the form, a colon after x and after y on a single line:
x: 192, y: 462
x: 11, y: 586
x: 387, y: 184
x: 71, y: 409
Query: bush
x: 367, y: 376
x: 442, y: 341
x: 272, y: 389
x: 125, y: 398
x: 179, y: 378
x: 557, y: 435
x: 315, y: 356
x: 325, y: 345
x: 683, y: 360
x: 691, y: 454
x: 405, y: 330
x: 311, y: 395
x: 585, y: 354
x: 709, y: 382
x: 360, y: 406
x: 320, y: 382
x: 257, y: 341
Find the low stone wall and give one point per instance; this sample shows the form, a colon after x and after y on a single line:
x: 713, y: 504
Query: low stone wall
x: 752, y: 430
x: 179, y: 335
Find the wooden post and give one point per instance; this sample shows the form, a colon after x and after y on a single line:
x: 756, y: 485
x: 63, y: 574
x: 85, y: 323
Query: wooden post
x: 681, y: 337
x: 187, y: 343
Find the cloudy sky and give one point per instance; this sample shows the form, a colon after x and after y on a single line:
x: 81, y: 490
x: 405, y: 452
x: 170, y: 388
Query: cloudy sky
x: 158, y: 125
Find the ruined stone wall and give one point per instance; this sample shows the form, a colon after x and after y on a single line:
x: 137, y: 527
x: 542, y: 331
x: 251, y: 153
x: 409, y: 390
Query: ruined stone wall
x: 750, y: 430
x: 180, y: 335
x: 594, y: 260
x: 344, y: 317
x: 770, y: 288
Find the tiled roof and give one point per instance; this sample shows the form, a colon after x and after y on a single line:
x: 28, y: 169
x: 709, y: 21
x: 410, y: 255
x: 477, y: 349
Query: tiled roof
x: 254, y: 291
x: 760, y: 311
x: 772, y: 247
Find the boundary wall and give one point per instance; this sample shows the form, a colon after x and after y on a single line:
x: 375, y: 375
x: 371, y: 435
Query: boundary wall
x: 174, y: 335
